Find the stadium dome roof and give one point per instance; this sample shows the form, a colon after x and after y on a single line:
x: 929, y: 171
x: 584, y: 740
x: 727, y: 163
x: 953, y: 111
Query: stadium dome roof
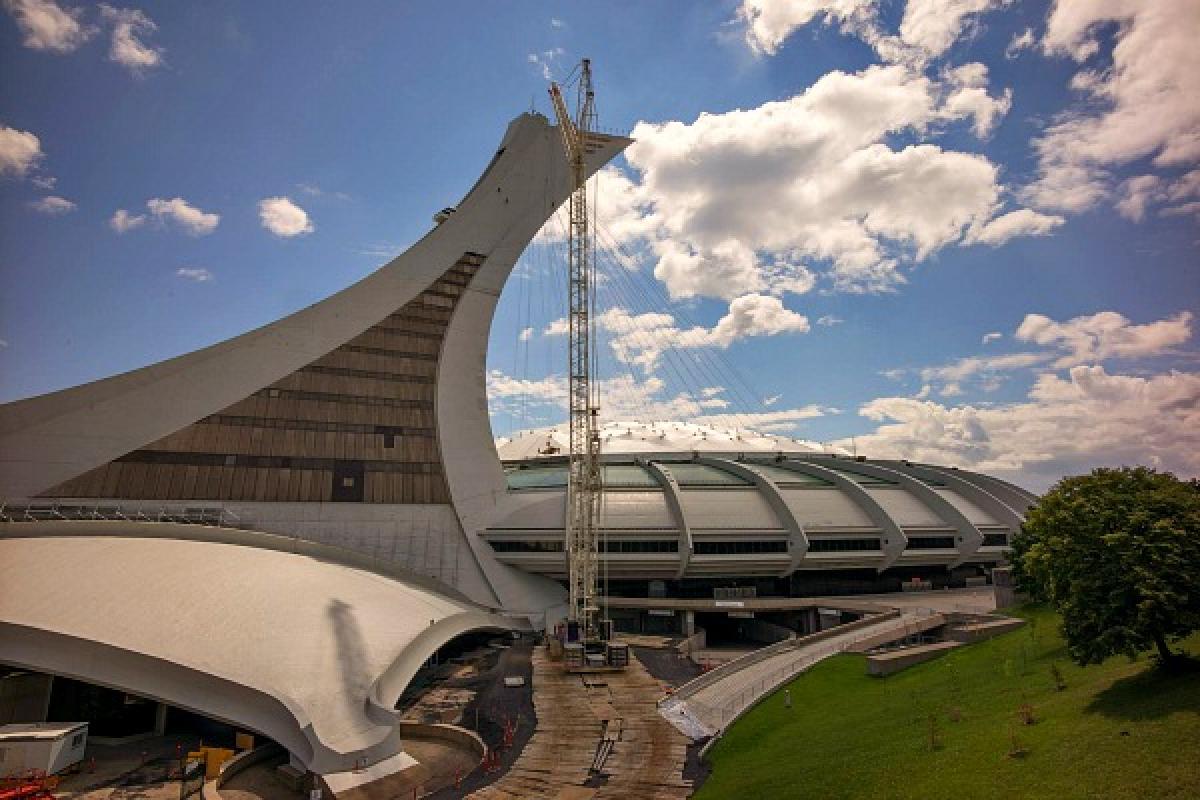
x: 636, y: 436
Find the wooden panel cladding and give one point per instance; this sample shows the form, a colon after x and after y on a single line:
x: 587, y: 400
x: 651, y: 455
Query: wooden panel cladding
x: 355, y: 425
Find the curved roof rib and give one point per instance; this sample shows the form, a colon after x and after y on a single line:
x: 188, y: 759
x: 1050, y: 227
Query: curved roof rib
x: 670, y: 489
x: 797, y: 538
x: 1017, y: 498
x: 894, y: 540
x: 972, y: 491
x: 970, y: 537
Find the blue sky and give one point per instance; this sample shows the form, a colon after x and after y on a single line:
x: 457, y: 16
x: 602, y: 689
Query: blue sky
x: 915, y: 175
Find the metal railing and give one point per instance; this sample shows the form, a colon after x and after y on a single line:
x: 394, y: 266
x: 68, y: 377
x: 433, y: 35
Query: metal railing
x: 818, y: 651
x: 215, y: 516
x: 743, y: 662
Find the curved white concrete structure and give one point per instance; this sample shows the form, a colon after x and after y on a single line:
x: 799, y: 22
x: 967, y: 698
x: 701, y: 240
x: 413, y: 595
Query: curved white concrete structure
x: 308, y: 651
x: 359, y: 421
x: 49, y: 441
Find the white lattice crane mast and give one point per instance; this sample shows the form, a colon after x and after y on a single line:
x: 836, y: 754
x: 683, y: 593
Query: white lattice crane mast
x: 583, y: 479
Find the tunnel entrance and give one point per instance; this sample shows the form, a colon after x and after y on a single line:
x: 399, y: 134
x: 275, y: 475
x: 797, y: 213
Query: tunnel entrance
x: 744, y: 630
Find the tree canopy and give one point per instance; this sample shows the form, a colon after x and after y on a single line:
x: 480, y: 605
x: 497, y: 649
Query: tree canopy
x: 1117, y: 553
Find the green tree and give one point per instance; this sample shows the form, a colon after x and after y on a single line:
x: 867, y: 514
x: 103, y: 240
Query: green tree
x: 1117, y: 554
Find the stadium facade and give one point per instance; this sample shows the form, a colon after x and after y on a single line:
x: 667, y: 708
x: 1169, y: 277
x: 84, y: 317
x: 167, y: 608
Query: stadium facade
x: 311, y: 509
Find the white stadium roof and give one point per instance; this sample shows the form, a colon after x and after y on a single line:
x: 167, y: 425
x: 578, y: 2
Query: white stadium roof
x: 633, y: 436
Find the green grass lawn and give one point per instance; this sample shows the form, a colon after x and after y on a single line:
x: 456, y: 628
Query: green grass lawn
x: 1118, y: 730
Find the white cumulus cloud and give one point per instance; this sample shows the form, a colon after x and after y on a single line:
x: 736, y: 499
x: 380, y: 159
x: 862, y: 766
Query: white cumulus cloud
x: 757, y: 315
x: 1088, y: 339
x: 48, y: 26
x: 53, y: 205
x: 20, y: 151
x: 1105, y: 335
x: 1140, y: 99
x: 284, y: 218
x: 1065, y: 425
x: 129, y: 28
x: 770, y: 22
x: 1022, y: 222
x: 1020, y: 43
x: 935, y: 25
x: 1139, y: 193
x: 625, y: 397
x: 751, y: 201
x: 928, y: 28
x: 122, y: 221
x: 177, y: 210
x: 558, y: 327
x: 642, y: 339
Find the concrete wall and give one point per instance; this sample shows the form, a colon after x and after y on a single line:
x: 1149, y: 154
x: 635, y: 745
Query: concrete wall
x: 25, y: 697
x: 981, y: 630
x: 888, y: 663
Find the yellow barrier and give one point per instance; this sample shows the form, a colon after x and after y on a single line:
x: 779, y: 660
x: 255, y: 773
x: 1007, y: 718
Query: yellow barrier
x: 213, y: 758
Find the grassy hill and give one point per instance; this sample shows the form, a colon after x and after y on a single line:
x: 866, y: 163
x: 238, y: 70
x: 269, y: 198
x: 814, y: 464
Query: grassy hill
x: 1118, y: 730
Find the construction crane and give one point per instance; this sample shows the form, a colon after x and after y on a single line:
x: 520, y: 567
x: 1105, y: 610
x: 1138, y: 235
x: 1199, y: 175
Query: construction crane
x: 584, y: 488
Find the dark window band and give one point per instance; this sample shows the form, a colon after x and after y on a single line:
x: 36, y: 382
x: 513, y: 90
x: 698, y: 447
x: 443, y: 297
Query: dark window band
x: 527, y: 547
x: 384, y: 351
x: 640, y: 546
x: 738, y: 548
x: 841, y: 545
x: 317, y: 425
x: 437, y: 337
x: 275, y: 462
x: 349, y: 399
x: 345, y: 372
x: 930, y: 543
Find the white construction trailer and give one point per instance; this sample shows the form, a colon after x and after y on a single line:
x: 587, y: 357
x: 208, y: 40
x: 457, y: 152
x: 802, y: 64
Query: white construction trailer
x: 47, y: 746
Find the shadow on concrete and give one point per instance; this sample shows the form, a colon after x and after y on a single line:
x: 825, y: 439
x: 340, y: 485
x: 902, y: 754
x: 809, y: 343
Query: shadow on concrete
x: 351, y: 648
x: 1151, y: 694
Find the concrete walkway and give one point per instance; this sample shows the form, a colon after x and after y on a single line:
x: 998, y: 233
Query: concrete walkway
x: 706, y: 705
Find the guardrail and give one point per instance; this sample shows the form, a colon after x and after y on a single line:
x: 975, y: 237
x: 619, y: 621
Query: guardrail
x: 215, y: 516
x: 749, y: 696
x: 738, y: 664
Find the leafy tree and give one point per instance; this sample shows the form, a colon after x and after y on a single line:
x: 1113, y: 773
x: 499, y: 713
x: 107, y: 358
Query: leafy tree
x: 1117, y: 554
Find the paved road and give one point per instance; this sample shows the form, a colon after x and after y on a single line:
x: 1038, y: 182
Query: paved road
x: 977, y: 600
